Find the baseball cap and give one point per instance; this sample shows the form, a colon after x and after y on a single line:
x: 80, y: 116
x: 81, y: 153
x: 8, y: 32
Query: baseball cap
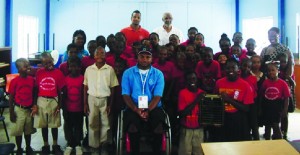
x: 145, y: 51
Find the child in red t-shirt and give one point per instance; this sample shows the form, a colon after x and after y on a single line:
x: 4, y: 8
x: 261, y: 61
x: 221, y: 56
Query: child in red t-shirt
x: 208, y: 71
x: 191, y: 135
x: 72, y: 51
x: 49, y: 82
x: 73, y: 106
x: 274, y: 99
x: 21, y: 105
x: 237, y: 95
x: 253, y: 109
x: 89, y: 60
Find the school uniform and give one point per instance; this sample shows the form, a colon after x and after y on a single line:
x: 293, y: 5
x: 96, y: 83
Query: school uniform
x: 235, y: 122
x: 191, y: 133
x: 48, y: 83
x: 99, y: 82
x: 22, y: 90
x: 73, y: 110
x: 274, y: 93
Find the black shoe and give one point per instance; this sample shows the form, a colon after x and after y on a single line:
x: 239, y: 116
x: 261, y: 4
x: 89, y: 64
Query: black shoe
x: 85, y: 141
x: 56, y: 149
x: 46, y: 149
x: 19, y: 151
x: 29, y: 150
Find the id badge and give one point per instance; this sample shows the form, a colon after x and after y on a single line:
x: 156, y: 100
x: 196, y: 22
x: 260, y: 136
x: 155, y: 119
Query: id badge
x: 143, y: 102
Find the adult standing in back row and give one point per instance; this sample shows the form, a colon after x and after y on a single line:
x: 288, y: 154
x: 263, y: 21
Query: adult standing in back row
x: 167, y: 29
x: 135, y: 32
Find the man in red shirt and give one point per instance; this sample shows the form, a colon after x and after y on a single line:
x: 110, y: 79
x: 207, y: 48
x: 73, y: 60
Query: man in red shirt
x: 135, y: 32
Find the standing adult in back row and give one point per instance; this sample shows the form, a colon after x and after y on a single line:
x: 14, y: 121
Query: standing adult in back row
x: 135, y: 32
x: 167, y: 29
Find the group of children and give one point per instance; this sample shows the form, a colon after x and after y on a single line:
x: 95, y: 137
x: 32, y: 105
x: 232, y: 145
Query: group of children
x: 90, y: 86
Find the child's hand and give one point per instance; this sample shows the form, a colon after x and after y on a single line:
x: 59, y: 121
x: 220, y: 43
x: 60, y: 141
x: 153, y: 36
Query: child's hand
x: 34, y: 110
x: 57, y: 110
x: 13, y: 116
x: 284, y: 113
x: 108, y: 108
x: 225, y: 96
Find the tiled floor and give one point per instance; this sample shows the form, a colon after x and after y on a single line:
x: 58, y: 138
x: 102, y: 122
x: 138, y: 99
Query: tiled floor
x: 37, y: 141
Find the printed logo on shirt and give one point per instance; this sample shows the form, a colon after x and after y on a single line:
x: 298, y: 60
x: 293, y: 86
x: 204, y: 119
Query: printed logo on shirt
x: 48, y: 84
x: 151, y: 82
x: 272, y: 93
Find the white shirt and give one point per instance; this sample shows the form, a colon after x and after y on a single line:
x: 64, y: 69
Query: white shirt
x: 99, y: 81
x: 164, y: 35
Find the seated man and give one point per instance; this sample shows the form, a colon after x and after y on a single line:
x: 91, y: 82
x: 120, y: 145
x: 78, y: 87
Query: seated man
x: 142, y: 89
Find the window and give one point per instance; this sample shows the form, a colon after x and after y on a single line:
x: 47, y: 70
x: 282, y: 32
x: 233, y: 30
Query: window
x: 257, y: 29
x: 28, y: 36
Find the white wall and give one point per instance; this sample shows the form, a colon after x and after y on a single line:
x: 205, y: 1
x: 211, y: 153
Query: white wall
x: 292, y: 8
x: 253, y: 9
x: 110, y: 16
x: 2, y: 23
x: 29, y: 8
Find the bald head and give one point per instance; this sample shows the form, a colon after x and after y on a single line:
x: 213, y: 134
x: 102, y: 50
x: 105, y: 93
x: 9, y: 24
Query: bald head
x: 167, y: 19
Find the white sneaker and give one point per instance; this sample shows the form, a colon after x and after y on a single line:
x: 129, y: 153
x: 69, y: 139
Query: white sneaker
x: 68, y: 150
x: 78, y: 150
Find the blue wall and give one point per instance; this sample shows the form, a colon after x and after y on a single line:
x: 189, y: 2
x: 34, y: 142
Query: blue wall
x: 292, y: 8
x: 212, y: 18
x: 2, y: 25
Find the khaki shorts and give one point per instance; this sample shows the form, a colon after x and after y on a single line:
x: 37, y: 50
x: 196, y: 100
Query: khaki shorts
x: 45, y: 117
x: 190, y: 141
x: 24, y: 123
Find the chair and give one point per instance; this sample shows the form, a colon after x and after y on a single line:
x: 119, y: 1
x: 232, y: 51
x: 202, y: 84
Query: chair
x: 4, y: 102
x: 3, y: 105
x: 7, y: 148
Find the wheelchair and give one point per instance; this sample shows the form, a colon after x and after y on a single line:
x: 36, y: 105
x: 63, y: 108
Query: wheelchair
x: 123, y: 141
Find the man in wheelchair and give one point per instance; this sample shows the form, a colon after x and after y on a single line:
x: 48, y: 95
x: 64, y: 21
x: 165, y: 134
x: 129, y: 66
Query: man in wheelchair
x: 142, y: 89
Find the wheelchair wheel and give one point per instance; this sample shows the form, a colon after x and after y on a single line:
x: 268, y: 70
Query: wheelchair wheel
x: 168, y: 149
x: 120, y: 135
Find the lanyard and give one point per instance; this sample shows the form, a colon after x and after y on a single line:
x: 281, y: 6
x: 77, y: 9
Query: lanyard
x: 144, y: 82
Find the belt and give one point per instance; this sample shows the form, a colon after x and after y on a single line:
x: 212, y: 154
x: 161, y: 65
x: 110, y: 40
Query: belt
x: 47, y: 97
x: 23, y: 107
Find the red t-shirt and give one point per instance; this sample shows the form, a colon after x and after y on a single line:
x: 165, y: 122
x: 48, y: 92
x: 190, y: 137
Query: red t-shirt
x: 63, y: 67
x: 49, y: 82
x: 213, y: 70
x: 86, y: 62
x: 131, y: 62
x: 252, y: 81
x: 238, y: 90
x: 22, y: 89
x: 128, y: 53
x: 167, y: 69
x: 134, y: 35
x: 74, y: 86
x: 273, y: 90
x: 185, y: 98
x: 178, y: 76
x: 110, y: 60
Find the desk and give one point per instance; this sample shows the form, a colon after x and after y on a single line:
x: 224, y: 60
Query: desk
x: 264, y: 147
